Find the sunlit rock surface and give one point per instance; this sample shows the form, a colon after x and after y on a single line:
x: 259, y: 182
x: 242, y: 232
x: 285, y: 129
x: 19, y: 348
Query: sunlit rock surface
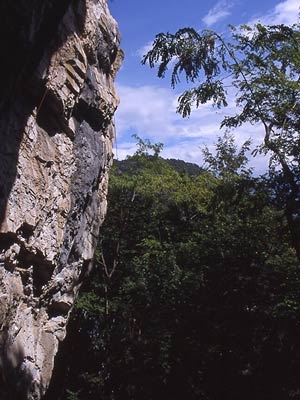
x: 57, y: 102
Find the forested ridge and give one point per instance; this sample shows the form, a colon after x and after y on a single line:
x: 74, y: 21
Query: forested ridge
x: 195, y: 290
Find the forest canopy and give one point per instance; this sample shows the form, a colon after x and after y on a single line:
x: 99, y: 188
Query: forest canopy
x: 195, y: 290
x: 262, y: 66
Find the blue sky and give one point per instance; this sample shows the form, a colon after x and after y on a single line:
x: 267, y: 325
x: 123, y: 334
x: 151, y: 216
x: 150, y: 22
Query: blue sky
x: 148, y: 104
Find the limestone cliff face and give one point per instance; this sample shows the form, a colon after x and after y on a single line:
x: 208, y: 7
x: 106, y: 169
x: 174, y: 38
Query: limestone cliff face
x: 57, y: 102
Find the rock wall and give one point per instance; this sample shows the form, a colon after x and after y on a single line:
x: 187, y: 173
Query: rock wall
x: 57, y: 103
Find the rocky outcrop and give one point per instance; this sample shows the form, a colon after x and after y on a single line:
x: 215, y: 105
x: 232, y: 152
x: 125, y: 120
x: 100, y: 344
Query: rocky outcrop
x: 57, y: 103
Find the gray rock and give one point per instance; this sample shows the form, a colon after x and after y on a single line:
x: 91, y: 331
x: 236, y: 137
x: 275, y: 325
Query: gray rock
x: 57, y: 102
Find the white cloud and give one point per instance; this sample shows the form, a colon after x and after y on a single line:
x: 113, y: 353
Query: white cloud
x: 144, y: 49
x: 220, y: 11
x: 123, y: 149
x: 285, y: 12
x: 192, y: 152
x: 150, y: 112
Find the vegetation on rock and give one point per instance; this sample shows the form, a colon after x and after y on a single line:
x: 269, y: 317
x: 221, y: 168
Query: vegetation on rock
x: 195, y: 290
x: 195, y: 294
x: 260, y: 65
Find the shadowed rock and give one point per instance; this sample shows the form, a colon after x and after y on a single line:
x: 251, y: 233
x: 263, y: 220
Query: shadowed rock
x: 57, y: 102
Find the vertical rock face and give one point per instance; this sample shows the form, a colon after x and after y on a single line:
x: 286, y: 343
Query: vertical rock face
x: 57, y: 102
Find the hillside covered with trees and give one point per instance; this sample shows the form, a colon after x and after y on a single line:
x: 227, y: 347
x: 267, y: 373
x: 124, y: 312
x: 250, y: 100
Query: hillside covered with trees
x: 195, y: 291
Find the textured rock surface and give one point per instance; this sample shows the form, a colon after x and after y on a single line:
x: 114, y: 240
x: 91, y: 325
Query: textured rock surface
x: 56, y: 104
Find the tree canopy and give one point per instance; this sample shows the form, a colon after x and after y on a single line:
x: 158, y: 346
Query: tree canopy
x: 193, y: 295
x: 262, y: 65
x: 195, y: 290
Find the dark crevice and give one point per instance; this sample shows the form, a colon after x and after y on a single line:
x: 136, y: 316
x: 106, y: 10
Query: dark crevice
x: 28, y: 31
x: 37, y: 24
x: 107, y: 55
x: 26, y: 231
x: 50, y: 115
x: 42, y: 269
x: 7, y: 240
x: 93, y: 116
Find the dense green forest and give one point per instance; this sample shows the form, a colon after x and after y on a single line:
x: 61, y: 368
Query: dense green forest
x: 195, y: 291
x: 257, y: 68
